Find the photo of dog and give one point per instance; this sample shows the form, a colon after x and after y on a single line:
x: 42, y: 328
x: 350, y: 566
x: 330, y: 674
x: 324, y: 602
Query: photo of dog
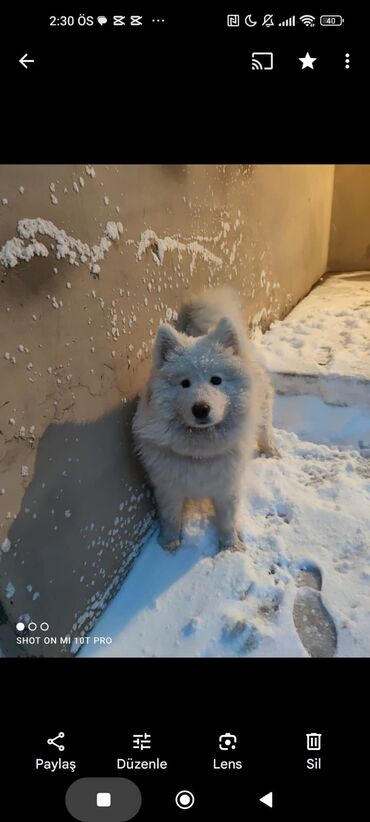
x: 207, y: 403
x: 184, y: 424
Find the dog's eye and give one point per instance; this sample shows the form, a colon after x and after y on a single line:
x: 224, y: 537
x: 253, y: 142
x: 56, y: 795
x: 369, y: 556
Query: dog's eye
x: 185, y: 383
x: 216, y: 380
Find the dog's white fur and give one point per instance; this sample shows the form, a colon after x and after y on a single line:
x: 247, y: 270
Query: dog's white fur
x: 186, y: 457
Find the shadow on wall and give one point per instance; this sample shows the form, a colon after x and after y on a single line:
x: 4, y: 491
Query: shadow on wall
x: 80, y: 526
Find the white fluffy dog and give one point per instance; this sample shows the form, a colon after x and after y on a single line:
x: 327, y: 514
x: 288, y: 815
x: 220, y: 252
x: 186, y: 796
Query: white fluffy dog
x: 207, y: 402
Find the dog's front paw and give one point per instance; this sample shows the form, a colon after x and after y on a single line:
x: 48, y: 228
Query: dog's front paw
x: 169, y: 542
x: 231, y: 542
x: 270, y: 450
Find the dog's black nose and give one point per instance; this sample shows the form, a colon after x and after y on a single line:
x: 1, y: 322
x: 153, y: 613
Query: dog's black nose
x: 201, y: 410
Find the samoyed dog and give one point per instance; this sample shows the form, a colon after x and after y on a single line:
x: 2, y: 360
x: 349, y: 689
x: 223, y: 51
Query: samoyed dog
x: 207, y: 402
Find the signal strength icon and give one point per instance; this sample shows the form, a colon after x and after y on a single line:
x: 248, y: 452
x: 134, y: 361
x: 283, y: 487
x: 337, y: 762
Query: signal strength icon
x: 307, y: 20
x: 290, y: 21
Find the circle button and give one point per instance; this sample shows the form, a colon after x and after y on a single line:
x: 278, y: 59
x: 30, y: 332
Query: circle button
x: 185, y: 800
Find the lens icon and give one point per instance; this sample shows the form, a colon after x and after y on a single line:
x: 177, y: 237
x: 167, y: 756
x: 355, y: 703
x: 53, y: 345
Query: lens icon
x: 185, y: 800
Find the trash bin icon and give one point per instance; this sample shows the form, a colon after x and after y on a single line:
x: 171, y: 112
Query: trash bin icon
x: 313, y: 742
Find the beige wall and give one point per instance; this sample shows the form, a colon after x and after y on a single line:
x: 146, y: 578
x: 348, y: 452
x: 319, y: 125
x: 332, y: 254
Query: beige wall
x: 349, y: 248
x: 77, y: 520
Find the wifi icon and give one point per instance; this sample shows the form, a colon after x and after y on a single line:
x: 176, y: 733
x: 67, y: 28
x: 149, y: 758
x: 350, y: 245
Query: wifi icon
x: 307, y: 20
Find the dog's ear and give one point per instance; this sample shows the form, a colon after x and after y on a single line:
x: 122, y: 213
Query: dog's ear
x: 226, y: 334
x: 167, y: 340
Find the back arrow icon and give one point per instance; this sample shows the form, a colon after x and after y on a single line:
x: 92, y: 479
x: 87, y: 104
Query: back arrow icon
x: 24, y: 61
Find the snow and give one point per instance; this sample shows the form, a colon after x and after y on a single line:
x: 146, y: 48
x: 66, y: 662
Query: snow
x: 15, y: 250
x: 113, y: 230
x: 159, y: 246
x: 67, y: 247
x: 312, y: 504
x: 327, y: 332
x: 9, y: 590
x: 311, y: 507
x: 6, y: 545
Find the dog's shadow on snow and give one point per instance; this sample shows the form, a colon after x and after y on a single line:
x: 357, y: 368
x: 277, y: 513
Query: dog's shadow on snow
x: 82, y: 518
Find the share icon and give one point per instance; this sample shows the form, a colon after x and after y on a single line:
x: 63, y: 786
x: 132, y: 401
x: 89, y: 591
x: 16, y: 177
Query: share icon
x: 61, y: 735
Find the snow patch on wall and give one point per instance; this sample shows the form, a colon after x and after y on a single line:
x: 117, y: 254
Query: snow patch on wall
x: 67, y: 247
x: 158, y: 246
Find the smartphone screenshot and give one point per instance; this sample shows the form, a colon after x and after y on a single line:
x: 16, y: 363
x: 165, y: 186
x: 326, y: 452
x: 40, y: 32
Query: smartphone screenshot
x: 184, y: 411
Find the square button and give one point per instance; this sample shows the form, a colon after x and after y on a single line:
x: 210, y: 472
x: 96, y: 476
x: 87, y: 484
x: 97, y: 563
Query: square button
x: 103, y: 800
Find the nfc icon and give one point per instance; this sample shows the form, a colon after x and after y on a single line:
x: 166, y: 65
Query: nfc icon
x: 233, y: 20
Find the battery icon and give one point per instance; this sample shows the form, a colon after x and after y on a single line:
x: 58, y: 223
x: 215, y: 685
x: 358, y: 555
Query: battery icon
x: 331, y: 20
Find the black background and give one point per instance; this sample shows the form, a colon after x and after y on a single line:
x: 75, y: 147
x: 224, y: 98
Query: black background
x: 186, y: 704
x: 185, y: 93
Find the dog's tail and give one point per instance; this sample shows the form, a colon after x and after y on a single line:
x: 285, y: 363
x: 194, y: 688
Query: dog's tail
x: 202, y: 313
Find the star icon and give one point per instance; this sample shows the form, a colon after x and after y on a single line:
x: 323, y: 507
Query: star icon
x: 307, y: 61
